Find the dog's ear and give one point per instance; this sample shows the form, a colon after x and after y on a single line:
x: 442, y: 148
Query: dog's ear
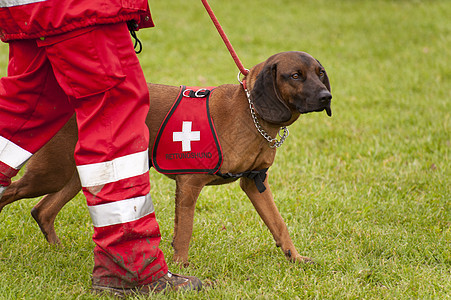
x: 326, y: 78
x: 267, y: 101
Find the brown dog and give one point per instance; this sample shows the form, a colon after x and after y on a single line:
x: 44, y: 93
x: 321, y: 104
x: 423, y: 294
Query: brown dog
x: 283, y: 87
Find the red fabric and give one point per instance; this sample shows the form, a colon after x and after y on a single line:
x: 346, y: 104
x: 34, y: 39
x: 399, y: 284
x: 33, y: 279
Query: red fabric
x: 131, y: 250
x: 51, y: 17
x: 33, y: 105
x: 106, y: 88
x: 205, y: 155
x: 6, y: 173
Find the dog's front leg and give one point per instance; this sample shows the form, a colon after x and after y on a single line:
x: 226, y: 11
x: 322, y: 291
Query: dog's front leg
x: 187, y: 191
x: 266, y: 208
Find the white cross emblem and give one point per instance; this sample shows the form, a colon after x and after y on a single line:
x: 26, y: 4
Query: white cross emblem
x: 186, y: 136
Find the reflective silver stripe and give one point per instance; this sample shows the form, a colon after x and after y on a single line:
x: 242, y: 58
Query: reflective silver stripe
x: 11, y: 3
x: 13, y: 155
x: 121, y: 212
x: 115, y: 170
x: 2, y: 189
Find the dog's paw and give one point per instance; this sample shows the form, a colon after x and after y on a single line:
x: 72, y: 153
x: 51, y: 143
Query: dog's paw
x: 304, y: 260
x: 181, y: 262
x: 297, y: 258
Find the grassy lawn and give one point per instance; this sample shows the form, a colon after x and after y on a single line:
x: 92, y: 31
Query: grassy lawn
x: 366, y: 193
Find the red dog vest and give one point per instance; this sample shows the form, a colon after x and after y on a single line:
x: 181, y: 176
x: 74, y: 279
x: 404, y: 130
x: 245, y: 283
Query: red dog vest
x: 186, y: 141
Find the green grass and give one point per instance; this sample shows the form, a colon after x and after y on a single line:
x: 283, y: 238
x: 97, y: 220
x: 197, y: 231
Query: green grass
x: 366, y: 192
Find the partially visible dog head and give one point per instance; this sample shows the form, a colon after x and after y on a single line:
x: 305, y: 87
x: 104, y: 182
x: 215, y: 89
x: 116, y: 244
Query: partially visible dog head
x: 289, y: 84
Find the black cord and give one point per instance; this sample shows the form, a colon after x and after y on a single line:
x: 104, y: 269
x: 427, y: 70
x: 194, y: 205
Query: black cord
x: 132, y: 25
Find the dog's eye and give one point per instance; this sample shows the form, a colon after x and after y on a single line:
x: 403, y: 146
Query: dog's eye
x: 321, y: 73
x: 296, y: 76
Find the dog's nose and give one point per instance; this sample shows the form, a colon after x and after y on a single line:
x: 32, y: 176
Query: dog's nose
x: 324, y: 96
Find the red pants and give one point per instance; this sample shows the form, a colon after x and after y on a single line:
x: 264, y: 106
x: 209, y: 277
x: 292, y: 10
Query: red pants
x: 95, y: 73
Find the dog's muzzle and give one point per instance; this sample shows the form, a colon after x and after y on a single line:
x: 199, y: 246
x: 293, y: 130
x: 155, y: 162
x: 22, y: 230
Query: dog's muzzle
x: 325, y: 98
x: 321, y: 102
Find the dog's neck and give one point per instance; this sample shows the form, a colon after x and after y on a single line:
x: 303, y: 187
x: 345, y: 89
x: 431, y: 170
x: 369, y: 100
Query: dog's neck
x: 273, y: 133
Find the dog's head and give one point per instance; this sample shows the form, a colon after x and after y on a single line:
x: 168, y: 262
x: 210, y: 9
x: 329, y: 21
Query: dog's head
x: 289, y: 84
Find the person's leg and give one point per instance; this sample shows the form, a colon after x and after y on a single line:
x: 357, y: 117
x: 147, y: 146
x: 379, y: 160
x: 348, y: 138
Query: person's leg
x: 32, y: 107
x: 111, y: 100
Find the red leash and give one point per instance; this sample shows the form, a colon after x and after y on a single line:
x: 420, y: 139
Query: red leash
x: 238, y: 63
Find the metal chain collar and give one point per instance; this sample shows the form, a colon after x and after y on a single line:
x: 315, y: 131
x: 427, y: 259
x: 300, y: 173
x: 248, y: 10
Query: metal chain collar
x: 283, y: 131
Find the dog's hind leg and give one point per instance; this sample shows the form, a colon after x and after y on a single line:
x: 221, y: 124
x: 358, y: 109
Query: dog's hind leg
x: 46, y: 210
x: 34, y: 183
x: 48, y: 170
x: 266, y: 208
x: 11, y: 194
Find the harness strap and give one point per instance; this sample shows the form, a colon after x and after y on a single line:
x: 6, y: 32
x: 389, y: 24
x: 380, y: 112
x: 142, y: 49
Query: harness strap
x: 258, y: 176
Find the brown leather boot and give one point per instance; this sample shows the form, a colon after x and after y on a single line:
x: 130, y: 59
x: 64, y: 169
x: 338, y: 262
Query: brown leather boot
x: 167, y: 283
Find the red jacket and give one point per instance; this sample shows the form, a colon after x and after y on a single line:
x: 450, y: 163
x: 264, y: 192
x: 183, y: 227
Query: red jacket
x: 25, y: 19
